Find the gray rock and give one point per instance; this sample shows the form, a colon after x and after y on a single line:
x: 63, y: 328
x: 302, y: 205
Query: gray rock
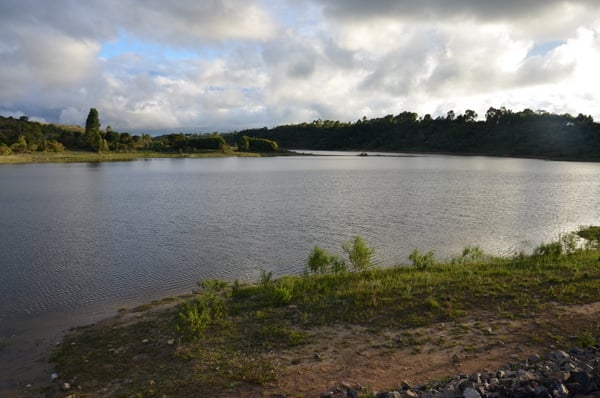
x: 475, y: 378
x: 559, y: 355
x: 534, y: 358
x: 471, y: 393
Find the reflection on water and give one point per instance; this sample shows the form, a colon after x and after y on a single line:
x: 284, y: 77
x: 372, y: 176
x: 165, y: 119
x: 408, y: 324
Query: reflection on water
x: 85, y: 239
x: 81, y: 236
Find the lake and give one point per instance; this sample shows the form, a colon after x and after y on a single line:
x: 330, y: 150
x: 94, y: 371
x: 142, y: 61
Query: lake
x: 78, y: 241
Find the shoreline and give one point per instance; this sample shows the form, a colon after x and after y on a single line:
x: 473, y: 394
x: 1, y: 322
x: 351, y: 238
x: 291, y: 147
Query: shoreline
x: 92, y: 157
x: 267, y: 342
x: 69, y: 156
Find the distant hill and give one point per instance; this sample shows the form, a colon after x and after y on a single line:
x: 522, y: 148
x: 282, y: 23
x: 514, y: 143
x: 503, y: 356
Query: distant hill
x: 503, y: 133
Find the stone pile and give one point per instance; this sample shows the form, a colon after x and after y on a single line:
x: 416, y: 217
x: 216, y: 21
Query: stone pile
x: 558, y: 375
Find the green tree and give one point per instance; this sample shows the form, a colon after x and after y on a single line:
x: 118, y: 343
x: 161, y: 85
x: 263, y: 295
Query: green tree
x: 93, y: 138
x: 4, y: 149
x: 21, y: 145
x: 92, y: 123
x: 244, y: 143
x: 359, y: 253
x: 319, y: 260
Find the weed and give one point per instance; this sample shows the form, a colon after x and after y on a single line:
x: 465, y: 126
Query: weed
x: 586, y: 339
x: 266, y: 278
x: 270, y: 336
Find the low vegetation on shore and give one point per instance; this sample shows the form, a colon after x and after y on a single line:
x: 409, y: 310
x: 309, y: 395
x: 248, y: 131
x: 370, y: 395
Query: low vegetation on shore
x: 231, y: 336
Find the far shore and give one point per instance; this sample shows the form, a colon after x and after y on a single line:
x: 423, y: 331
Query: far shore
x: 92, y: 157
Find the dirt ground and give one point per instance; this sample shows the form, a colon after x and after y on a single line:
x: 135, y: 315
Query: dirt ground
x: 381, y: 360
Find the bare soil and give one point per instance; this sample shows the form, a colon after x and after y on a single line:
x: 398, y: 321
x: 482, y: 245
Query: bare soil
x: 381, y: 360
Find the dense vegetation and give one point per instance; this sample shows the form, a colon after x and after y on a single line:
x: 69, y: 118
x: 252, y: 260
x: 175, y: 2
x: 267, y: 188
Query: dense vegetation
x: 503, y: 133
x: 229, y: 335
x: 24, y: 136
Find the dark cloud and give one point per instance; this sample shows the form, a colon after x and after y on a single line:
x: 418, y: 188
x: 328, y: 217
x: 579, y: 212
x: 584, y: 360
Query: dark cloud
x: 411, y: 11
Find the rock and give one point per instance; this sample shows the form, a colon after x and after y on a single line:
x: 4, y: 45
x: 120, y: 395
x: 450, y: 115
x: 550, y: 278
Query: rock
x: 471, y: 393
x: 170, y: 341
x: 351, y: 393
x: 54, y: 376
x: 327, y: 394
x: 475, y: 378
x: 559, y: 355
x: 145, y: 341
x: 562, y: 375
x: 66, y: 386
x: 579, y: 377
x: 389, y: 394
x: 534, y: 358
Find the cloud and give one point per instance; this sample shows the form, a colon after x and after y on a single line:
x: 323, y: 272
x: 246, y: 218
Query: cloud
x: 232, y: 64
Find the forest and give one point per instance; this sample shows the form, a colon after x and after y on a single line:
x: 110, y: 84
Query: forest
x: 526, y: 133
x: 24, y: 136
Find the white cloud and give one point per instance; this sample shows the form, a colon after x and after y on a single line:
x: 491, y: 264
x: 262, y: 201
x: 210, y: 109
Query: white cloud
x: 232, y: 64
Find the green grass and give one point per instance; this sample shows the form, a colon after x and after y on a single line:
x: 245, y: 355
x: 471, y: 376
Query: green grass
x: 222, y: 336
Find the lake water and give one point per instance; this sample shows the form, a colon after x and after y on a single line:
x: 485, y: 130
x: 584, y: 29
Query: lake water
x: 78, y: 241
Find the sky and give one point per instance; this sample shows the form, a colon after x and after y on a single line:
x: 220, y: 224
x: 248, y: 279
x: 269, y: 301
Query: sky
x: 224, y: 65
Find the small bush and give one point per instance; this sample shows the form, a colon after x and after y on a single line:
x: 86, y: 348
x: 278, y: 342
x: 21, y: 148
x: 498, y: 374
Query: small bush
x: 551, y: 250
x: 278, y: 296
x: 590, y: 234
x: 5, y: 150
x: 470, y: 255
x: 586, y: 340
x: 359, y: 253
x: 421, y: 261
x: 320, y: 261
x: 194, y: 317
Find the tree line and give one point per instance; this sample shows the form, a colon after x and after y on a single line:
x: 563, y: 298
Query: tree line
x: 525, y: 133
x: 22, y: 135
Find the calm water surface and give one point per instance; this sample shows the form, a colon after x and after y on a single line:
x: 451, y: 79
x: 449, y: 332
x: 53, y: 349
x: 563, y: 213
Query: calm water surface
x: 78, y: 241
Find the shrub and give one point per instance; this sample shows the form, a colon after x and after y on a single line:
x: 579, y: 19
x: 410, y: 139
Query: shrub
x: 549, y: 250
x: 5, y: 150
x: 194, y: 317
x: 470, y: 255
x: 421, y: 261
x: 359, y: 253
x: 319, y: 260
x: 591, y: 234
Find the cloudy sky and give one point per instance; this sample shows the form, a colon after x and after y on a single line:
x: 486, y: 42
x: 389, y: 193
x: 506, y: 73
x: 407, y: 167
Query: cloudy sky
x: 206, y: 65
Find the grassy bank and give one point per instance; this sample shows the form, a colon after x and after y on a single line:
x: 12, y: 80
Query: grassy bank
x: 243, y: 338
x: 83, y: 156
